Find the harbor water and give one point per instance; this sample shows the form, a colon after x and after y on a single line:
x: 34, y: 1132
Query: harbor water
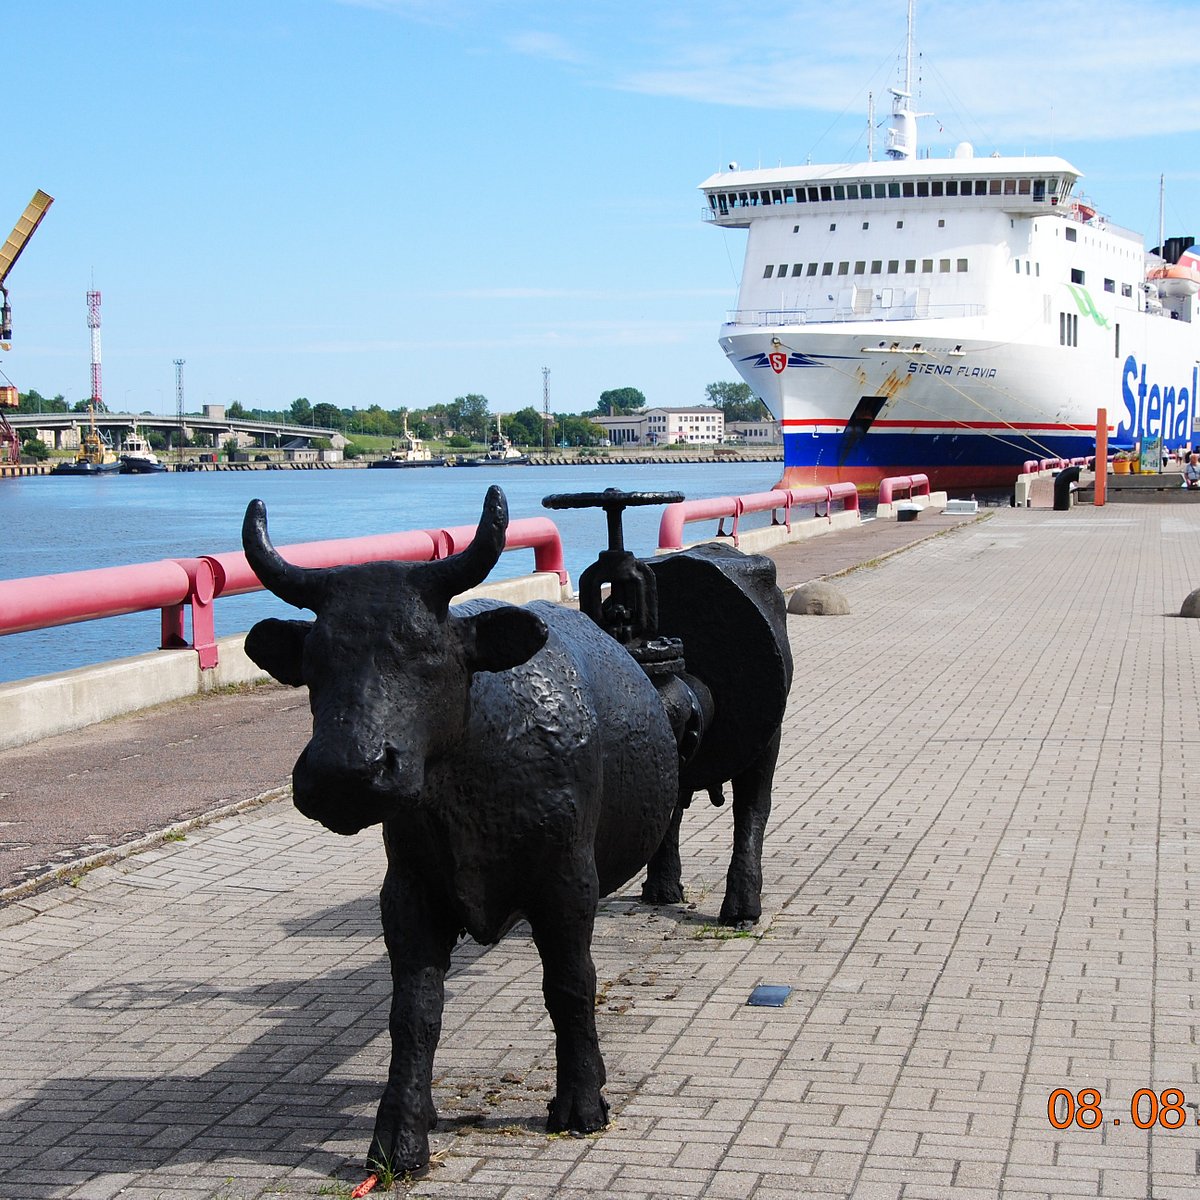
x: 52, y: 525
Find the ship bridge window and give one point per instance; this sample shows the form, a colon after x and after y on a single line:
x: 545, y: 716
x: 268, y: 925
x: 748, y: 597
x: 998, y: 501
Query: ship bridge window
x: 1023, y: 187
x: 944, y: 266
x: 768, y: 270
x: 923, y: 188
x: 1010, y: 187
x: 910, y: 266
x: 936, y: 187
x: 814, y: 194
x: 843, y: 268
x: 893, y: 191
x: 811, y: 271
x: 881, y: 191
x: 827, y: 268
x: 908, y: 187
x: 839, y: 192
x: 1039, y: 190
x: 962, y: 266
x: 826, y: 192
x: 852, y: 191
x: 927, y: 266
x: 893, y: 266
x: 797, y: 269
x: 860, y: 267
x: 876, y: 266
x: 777, y: 196
x: 782, y: 272
x: 981, y: 187
x: 801, y: 195
x: 1076, y: 275
x: 951, y: 187
x: 993, y: 187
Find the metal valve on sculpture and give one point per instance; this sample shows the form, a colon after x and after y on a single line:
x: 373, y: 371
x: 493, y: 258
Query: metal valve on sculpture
x: 629, y: 613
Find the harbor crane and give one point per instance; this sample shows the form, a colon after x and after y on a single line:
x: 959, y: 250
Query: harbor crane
x: 31, y: 218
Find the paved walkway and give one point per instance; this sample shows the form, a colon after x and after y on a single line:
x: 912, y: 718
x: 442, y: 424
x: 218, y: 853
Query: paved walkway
x: 977, y: 884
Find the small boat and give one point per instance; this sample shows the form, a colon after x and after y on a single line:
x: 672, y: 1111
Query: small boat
x: 95, y: 455
x: 1181, y: 278
x: 137, y: 458
x: 500, y: 453
x: 411, y: 452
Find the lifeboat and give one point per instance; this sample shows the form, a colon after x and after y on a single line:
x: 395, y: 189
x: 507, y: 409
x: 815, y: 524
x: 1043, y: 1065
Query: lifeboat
x: 1177, y: 279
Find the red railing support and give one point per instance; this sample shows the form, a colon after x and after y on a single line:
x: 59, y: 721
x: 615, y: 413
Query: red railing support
x: 911, y: 485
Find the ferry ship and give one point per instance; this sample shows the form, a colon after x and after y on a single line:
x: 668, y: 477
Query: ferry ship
x: 954, y: 316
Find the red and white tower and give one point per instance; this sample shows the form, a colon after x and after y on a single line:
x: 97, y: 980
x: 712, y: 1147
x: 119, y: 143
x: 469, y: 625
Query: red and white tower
x: 93, y: 303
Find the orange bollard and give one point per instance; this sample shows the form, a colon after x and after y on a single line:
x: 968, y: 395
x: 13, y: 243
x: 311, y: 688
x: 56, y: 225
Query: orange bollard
x: 1101, y: 493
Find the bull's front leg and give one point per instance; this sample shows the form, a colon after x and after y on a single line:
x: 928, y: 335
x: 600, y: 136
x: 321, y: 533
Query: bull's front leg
x: 562, y: 931
x: 664, y: 872
x: 419, y: 944
x: 751, y: 808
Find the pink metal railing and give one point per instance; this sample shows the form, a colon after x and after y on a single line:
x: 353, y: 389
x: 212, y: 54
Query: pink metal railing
x: 782, y: 500
x: 177, y: 585
x: 1032, y: 466
x: 910, y: 485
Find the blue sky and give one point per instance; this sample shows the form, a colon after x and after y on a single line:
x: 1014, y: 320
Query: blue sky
x: 402, y: 201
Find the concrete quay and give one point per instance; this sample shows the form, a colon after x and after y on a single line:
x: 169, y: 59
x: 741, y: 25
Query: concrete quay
x: 977, y: 882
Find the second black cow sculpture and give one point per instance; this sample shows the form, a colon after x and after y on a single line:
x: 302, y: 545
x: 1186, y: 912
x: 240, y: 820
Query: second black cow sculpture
x: 521, y: 765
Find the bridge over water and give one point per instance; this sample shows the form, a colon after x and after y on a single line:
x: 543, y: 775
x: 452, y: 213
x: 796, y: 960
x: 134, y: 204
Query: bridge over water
x: 63, y: 431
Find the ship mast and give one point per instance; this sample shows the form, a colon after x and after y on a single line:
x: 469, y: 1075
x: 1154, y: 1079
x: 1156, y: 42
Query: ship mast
x: 902, y: 136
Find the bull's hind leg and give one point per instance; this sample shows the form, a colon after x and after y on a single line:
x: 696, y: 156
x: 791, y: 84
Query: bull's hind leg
x: 562, y: 932
x: 419, y: 944
x: 751, y: 808
x: 664, y: 873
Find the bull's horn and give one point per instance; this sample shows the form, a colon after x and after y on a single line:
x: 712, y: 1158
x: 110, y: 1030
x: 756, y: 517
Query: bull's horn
x: 451, y: 576
x: 301, y: 586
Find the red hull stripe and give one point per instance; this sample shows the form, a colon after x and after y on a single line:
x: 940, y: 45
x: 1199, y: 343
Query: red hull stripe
x: 867, y: 478
x: 829, y: 423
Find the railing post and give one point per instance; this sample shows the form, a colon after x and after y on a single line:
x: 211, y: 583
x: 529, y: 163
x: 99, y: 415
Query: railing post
x: 202, y: 588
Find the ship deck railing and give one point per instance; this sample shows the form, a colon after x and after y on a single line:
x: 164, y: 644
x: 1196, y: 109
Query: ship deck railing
x: 841, y: 315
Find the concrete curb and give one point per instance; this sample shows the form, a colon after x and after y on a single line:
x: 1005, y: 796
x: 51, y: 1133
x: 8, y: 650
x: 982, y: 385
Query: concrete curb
x: 27, y: 887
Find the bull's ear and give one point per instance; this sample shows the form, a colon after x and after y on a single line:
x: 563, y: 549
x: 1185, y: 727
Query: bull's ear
x: 500, y: 638
x: 278, y: 647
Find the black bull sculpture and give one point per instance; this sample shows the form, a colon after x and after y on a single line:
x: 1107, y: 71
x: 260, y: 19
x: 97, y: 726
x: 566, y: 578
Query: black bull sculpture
x: 522, y: 765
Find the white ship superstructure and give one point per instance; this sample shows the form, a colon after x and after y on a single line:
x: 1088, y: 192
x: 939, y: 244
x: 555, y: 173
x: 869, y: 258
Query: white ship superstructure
x: 956, y: 316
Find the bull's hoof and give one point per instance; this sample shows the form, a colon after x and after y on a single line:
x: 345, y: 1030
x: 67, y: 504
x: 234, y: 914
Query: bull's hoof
x: 577, y: 1113
x: 740, y: 911
x: 397, y: 1152
x: 657, y: 891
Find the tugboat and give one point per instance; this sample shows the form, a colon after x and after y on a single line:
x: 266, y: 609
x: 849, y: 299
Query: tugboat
x: 500, y: 453
x: 137, y: 458
x: 95, y: 455
x: 411, y: 452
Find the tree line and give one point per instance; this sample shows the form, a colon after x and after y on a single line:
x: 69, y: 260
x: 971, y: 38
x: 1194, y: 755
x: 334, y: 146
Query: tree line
x: 465, y: 420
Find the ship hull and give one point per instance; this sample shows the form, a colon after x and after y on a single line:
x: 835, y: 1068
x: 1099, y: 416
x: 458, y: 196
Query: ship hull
x: 861, y: 402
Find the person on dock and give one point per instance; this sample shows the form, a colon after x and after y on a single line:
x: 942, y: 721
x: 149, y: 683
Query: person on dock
x: 1191, y: 473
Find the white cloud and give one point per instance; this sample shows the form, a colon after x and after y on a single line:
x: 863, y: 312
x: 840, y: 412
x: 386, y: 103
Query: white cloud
x: 550, y: 46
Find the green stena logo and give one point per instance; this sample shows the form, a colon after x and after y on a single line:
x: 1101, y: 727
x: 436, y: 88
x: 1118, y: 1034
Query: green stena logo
x: 1086, y: 305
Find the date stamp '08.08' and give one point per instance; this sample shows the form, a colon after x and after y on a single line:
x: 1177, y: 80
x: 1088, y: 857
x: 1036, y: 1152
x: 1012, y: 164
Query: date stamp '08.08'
x: 1147, y: 1108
